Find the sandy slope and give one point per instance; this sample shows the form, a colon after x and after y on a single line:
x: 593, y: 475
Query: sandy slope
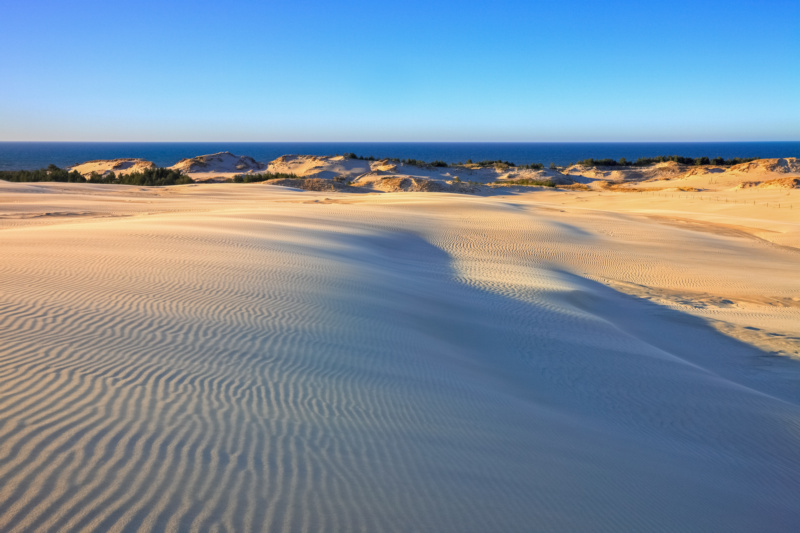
x: 387, y: 175
x: 216, y: 166
x: 779, y: 173
x: 117, y: 166
x: 249, y: 357
x: 395, y: 176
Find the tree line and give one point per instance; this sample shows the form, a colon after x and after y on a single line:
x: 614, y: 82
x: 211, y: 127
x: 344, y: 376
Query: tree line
x: 148, y: 177
x: 51, y: 173
x: 263, y: 176
x: 645, y: 161
x: 414, y: 162
x: 622, y: 162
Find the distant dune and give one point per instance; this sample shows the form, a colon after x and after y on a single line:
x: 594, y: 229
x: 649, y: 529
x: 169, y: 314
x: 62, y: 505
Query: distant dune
x: 119, y: 166
x: 246, y: 357
x: 321, y: 173
x: 782, y: 165
x: 219, y: 163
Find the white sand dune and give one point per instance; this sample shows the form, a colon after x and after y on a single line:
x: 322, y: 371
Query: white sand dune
x: 393, y: 176
x: 121, y: 166
x: 321, y: 173
x: 768, y: 173
x: 312, y: 166
x: 219, y: 165
x: 254, y: 358
x: 781, y: 165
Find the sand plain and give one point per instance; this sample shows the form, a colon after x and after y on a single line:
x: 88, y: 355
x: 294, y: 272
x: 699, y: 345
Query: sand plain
x: 245, y: 357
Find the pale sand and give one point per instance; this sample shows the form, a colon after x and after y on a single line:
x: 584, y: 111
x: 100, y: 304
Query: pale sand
x: 254, y: 358
x: 117, y: 166
x: 394, y: 176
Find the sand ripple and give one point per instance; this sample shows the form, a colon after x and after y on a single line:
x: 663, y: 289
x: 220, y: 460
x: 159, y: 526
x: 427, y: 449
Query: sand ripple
x: 409, y: 365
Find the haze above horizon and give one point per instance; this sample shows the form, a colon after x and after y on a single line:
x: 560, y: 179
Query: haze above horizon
x: 577, y: 71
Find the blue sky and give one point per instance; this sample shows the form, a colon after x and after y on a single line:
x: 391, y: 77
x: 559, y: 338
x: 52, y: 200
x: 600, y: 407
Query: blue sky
x: 412, y: 71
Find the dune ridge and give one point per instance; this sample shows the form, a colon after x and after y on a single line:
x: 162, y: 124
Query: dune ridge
x: 249, y: 357
x: 120, y: 166
x: 219, y: 163
x: 319, y: 173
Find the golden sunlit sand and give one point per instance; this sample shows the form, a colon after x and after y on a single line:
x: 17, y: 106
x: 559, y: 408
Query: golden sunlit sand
x: 247, y: 357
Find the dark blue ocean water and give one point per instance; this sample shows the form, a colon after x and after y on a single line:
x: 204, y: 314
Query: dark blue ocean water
x: 32, y: 155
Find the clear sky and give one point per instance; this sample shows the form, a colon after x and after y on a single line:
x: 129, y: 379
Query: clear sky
x: 246, y: 70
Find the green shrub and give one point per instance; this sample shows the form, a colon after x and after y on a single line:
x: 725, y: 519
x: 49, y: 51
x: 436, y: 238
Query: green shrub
x: 155, y: 177
x: 421, y: 163
x: 51, y: 173
x: 497, y: 163
x: 598, y: 162
x: 525, y: 183
x: 264, y: 176
x: 148, y: 177
x: 647, y: 161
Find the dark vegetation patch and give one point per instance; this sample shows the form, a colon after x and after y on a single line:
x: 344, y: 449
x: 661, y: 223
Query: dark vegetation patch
x: 262, y: 176
x: 524, y: 183
x: 645, y: 161
x: 147, y: 177
x: 414, y: 162
x: 51, y: 173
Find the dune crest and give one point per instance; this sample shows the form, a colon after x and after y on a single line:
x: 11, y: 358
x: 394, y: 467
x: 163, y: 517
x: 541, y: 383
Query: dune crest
x: 219, y: 163
x: 121, y: 166
x: 319, y: 173
x: 781, y: 165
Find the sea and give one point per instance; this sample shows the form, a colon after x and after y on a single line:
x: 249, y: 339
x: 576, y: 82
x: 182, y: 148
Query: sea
x: 34, y: 155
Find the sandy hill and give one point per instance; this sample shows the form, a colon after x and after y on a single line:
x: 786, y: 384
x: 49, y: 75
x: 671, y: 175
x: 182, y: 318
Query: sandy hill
x: 770, y: 173
x: 781, y: 165
x: 118, y: 166
x: 666, y: 170
x: 324, y: 167
x: 216, y: 164
x: 779, y: 183
x: 390, y: 175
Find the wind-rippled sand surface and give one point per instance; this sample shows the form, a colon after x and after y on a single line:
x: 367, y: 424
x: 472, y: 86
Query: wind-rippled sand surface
x: 246, y: 357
